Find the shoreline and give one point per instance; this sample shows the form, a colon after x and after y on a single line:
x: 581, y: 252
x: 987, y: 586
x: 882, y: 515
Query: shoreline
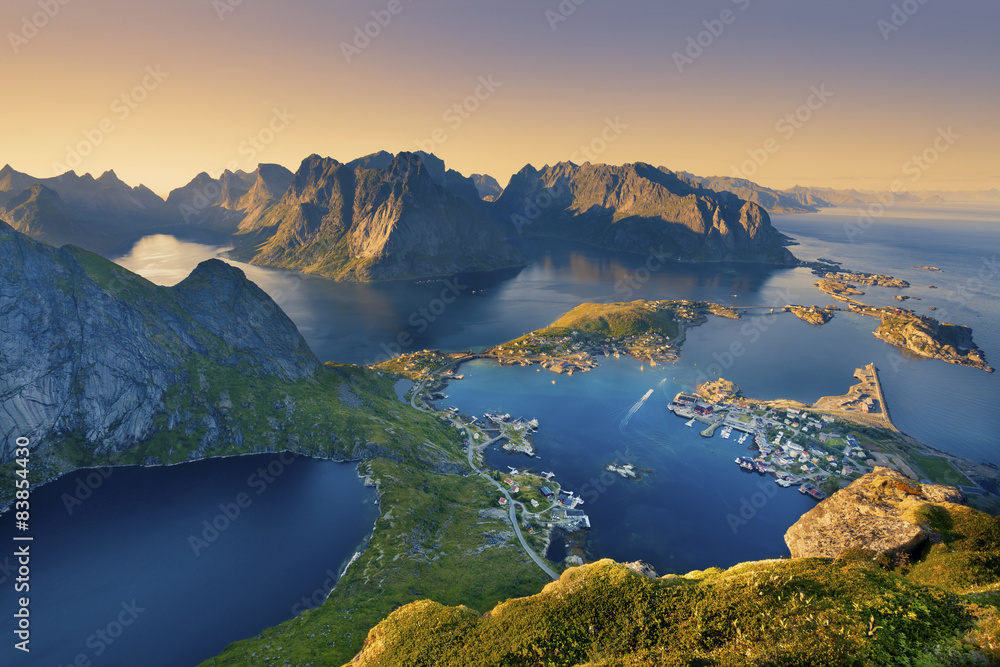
x: 968, y: 468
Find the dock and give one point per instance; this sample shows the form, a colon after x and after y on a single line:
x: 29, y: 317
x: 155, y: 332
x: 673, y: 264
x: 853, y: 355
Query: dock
x: 710, y: 431
x: 873, y: 372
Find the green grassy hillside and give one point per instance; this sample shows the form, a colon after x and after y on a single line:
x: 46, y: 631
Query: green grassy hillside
x: 789, y: 612
x: 616, y: 320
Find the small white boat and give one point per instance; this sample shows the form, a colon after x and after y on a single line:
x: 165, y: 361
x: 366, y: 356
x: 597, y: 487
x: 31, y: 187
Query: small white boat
x: 690, y: 423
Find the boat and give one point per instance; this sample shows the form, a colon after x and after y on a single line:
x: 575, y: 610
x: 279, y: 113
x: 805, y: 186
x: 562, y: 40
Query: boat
x: 782, y: 482
x: 690, y: 423
x: 745, y: 463
x: 742, y: 438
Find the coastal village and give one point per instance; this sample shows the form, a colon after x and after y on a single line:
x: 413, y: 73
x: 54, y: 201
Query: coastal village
x: 814, y: 449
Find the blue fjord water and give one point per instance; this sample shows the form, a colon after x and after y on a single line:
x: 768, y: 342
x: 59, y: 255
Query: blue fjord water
x: 124, y: 571
x: 130, y: 540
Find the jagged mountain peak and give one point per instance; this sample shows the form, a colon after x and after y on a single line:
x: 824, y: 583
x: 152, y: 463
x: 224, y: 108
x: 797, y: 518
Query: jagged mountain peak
x: 636, y: 206
x: 379, y: 219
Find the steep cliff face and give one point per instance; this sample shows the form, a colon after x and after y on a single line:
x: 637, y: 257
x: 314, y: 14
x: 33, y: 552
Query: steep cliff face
x: 881, y: 512
x: 89, y: 349
x: 636, y: 207
x: 270, y: 184
x: 235, y: 200
x: 374, y: 223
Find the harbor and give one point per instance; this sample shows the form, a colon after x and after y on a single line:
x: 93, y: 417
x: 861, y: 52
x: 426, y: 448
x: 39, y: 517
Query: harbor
x: 811, y: 447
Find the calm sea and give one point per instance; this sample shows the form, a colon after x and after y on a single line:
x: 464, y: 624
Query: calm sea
x: 163, y: 567
x: 948, y: 407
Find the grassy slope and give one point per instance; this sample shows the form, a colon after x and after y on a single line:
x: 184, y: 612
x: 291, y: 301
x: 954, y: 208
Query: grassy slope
x: 430, y: 540
x: 429, y: 543
x: 790, y: 612
x: 966, y: 558
x: 615, y: 320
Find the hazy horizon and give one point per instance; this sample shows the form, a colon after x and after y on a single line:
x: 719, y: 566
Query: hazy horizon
x: 845, y: 96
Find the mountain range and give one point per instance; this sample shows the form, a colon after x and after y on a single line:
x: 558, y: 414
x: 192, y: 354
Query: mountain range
x: 382, y: 217
x: 385, y: 216
x: 801, y: 199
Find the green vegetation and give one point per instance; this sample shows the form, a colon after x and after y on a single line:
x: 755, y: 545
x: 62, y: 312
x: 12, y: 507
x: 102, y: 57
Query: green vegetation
x: 966, y: 557
x: 414, y: 365
x: 616, y: 320
x: 798, y: 612
x: 431, y: 542
x: 940, y: 470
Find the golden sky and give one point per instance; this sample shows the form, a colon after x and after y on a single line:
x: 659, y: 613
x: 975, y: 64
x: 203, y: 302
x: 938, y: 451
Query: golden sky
x: 845, y: 94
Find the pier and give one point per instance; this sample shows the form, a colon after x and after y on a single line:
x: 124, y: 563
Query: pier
x: 873, y: 373
x: 710, y: 431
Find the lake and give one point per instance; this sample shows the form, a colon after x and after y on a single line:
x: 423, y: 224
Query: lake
x: 166, y: 566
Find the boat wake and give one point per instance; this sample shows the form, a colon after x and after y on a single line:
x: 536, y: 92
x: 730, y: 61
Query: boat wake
x: 635, y: 408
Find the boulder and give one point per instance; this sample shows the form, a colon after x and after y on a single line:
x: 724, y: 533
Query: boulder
x: 878, y: 512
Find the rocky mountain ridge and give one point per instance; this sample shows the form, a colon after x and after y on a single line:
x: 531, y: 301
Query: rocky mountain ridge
x: 89, y: 349
x: 637, y: 207
x: 441, y: 222
x: 377, y: 221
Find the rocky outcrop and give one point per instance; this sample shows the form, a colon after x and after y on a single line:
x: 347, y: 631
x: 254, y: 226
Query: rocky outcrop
x: 643, y: 568
x: 90, y: 349
x: 811, y: 314
x: 637, y: 207
x: 373, y: 223
x: 878, y: 512
x: 927, y: 337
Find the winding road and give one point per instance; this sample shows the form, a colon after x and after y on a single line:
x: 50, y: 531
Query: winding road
x: 513, y: 504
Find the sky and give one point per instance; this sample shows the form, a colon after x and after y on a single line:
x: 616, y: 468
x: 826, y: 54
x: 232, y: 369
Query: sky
x: 852, y: 93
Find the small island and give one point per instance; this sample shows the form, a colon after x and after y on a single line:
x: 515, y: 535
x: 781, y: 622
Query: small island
x: 812, y: 314
x: 838, y: 289
x: 927, y: 337
x: 920, y: 334
x: 873, y: 279
x: 927, y: 268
